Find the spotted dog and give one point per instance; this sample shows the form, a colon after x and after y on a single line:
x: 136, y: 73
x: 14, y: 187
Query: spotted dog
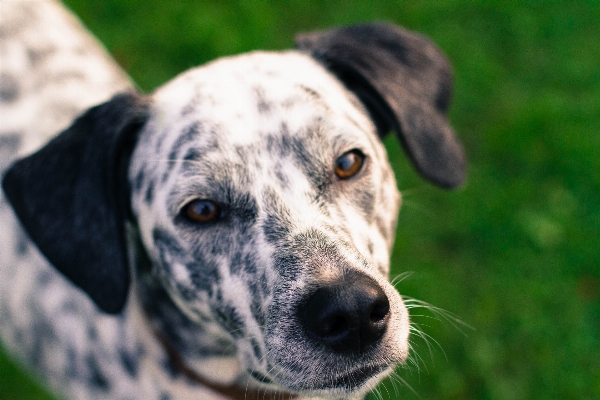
x: 225, y: 237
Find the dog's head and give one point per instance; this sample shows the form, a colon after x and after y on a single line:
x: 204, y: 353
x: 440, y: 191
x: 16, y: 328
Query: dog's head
x: 263, y: 199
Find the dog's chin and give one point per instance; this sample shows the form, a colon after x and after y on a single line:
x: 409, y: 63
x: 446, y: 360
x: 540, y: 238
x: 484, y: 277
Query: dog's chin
x: 349, y: 384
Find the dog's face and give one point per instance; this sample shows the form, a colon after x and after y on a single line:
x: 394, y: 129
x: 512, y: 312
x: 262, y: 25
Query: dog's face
x: 263, y: 198
x: 258, y: 180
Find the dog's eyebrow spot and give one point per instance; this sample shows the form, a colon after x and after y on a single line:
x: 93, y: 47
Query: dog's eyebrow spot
x: 188, y: 135
x: 311, y: 161
x: 315, y: 97
x: 263, y: 105
x: 209, y: 144
x: 311, y: 92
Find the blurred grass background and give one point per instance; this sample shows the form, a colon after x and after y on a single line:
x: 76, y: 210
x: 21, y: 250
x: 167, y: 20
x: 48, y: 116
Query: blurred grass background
x: 515, y: 253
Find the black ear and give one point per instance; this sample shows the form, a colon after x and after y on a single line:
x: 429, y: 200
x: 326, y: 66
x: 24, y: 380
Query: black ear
x: 71, y: 198
x: 405, y: 83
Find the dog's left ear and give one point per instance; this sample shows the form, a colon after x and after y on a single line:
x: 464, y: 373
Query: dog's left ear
x: 405, y: 83
x: 71, y: 197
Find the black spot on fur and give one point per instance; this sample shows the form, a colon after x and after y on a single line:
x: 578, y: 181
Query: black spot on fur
x: 382, y: 226
x: 257, y: 309
x: 9, y: 88
x: 230, y: 319
x: 170, y: 368
x: 193, y: 154
x: 311, y: 92
x: 149, y: 196
x: 22, y: 244
x: 263, y: 105
x: 203, y: 277
x: 281, y: 177
x: 194, y: 102
x: 236, y: 264
x: 202, y: 273
x: 129, y: 362
x: 277, y: 223
x: 250, y: 263
x: 365, y: 200
x: 37, y: 56
x: 317, y: 173
x: 188, y: 135
x: 46, y: 277
x: 72, y: 361
x: 97, y: 377
x: 166, y: 244
x: 284, y: 144
x: 259, y: 377
x: 138, y: 180
x: 279, y: 144
x: 256, y: 349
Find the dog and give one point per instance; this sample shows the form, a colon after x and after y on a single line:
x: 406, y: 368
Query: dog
x: 227, y: 236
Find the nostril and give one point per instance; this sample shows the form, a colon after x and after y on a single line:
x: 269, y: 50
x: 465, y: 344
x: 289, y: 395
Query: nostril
x: 380, y: 310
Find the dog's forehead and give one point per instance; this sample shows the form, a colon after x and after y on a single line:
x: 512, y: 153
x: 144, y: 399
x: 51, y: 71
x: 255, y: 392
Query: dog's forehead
x: 244, y: 123
x: 252, y: 94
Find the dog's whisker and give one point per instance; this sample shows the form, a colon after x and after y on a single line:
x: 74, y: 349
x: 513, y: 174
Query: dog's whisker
x: 401, y: 277
x: 440, y: 313
x: 419, y: 361
x: 404, y: 383
x: 377, y: 392
x: 428, y: 339
x: 416, y: 358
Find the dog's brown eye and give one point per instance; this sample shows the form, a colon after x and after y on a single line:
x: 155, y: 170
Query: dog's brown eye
x: 349, y: 164
x: 202, y: 211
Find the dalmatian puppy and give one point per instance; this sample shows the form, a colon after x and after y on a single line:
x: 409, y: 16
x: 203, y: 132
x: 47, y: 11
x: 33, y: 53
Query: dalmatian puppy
x: 225, y: 237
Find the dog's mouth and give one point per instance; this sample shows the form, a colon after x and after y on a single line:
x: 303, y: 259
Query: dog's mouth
x: 346, y: 381
x: 356, y: 378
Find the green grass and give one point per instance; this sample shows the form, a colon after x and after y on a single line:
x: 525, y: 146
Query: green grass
x: 515, y: 252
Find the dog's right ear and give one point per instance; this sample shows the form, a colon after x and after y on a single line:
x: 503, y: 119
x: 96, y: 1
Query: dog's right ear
x: 72, y: 198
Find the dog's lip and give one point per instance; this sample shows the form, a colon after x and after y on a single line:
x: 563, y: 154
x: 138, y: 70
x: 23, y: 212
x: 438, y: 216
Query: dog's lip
x: 357, y: 377
x: 348, y: 380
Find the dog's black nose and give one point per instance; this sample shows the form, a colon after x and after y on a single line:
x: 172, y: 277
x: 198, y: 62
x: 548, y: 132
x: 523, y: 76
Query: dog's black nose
x: 349, y: 315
